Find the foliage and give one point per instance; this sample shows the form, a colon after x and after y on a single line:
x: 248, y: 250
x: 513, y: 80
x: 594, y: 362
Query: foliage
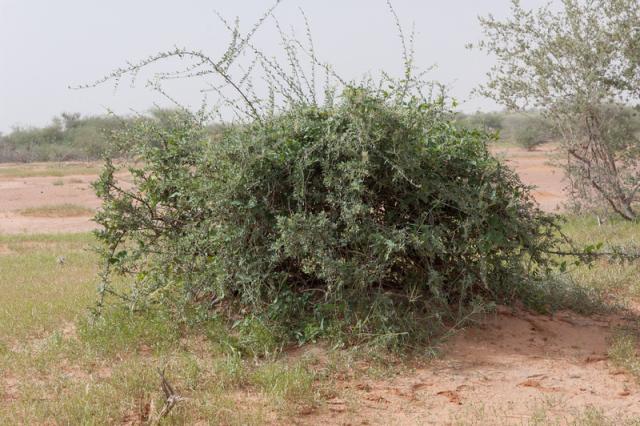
x: 69, y: 137
x: 372, y: 218
x: 531, y: 130
x: 579, y: 67
x: 362, y: 213
x: 488, y: 121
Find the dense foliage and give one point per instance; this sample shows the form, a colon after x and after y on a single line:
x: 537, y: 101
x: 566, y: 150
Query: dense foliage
x: 370, y: 218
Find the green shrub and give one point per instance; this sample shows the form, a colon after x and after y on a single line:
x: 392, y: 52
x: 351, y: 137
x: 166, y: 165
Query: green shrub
x: 372, y: 219
x: 530, y: 130
x: 487, y: 121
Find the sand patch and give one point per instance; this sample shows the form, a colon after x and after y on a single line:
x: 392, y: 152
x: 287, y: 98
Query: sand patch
x: 498, y: 373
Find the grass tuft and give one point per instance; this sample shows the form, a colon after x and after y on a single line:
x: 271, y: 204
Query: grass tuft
x: 58, y: 210
x: 48, y: 169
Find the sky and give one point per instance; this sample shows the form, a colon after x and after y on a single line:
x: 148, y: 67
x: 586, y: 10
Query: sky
x: 47, y: 46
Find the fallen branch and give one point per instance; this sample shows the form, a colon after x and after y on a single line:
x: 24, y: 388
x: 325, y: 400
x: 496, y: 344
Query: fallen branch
x: 171, y: 398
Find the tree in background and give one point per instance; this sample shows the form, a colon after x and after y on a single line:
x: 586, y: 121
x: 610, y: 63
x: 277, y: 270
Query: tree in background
x: 488, y: 121
x: 580, y: 67
x: 530, y: 130
x: 72, y: 137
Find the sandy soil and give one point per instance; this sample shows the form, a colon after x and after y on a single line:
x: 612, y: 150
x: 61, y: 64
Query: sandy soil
x: 18, y: 193
x: 535, y: 168
x: 511, y: 367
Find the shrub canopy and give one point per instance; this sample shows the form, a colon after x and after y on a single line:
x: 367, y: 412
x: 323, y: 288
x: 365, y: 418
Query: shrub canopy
x: 368, y: 215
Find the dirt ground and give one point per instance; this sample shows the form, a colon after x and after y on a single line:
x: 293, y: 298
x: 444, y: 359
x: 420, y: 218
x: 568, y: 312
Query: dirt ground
x: 535, y: 168
x: 509, y: 368
x: 17, y: 194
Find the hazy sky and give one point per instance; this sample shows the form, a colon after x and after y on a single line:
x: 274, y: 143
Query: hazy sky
x: 46, y: 45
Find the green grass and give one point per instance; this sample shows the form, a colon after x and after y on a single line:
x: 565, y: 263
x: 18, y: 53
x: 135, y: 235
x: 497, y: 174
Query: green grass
x: 618, y: 279
x: 286, y: 383
x: 48, y: 169
x: 59, y: 364
x: 38, y: 293
x: 58, y: 210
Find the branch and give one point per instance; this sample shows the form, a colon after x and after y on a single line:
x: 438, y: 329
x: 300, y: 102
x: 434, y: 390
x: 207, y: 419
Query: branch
x: 170, y: 398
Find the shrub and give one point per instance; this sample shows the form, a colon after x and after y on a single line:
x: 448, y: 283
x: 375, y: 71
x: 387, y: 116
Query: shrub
x: 531, y: 130
x: 489, y: 121
x: 370, y: 219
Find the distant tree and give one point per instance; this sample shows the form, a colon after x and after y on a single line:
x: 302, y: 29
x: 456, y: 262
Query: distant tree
x: 71, y: 119
x: 530, y: 130
x: 581, y: 67
x: 489, y: 121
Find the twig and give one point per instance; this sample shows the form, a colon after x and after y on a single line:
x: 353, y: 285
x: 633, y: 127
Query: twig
x: 170, y: 398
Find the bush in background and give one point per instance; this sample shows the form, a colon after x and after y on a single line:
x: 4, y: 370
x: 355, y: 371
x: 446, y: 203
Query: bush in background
x: 530, y: 130
x: 70, y: 137
x: 527, y: 129
x: 486, y: 121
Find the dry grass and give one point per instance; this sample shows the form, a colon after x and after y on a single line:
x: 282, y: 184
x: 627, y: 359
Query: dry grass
x: 549, y: 412
x: 48, y: 169
x: 59, y: 210
x: 58, y: 365
x: 624, y: 351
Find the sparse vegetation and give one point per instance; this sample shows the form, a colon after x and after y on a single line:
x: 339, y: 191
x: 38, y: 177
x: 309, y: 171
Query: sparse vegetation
x: 70, y: 137
x: 58, y: 210
x: 48, y: 169
x: 57, y: 362
x: 528, y: 129
x: 71, y: 368
x: 579, y: 67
